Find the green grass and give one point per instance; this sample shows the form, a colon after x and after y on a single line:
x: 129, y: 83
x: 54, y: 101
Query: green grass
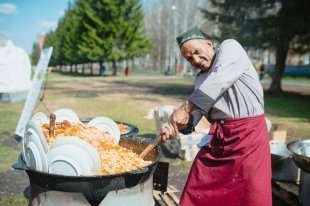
x: 7, y: 157
x: 288, y: 105
x: 14, y: 200
x: 9, y: 113
x: 290, y: 109
x: 122, y: 110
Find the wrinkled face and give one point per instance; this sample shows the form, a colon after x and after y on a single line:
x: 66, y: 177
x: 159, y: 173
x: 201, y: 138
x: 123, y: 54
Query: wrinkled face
x: 199, y: 53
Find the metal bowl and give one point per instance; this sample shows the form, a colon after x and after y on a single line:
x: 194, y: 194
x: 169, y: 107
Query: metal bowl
x: 132, y: 129
x: 282, y: 164
x: 301, y: 153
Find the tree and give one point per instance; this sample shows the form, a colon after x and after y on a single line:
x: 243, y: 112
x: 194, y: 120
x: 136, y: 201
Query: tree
x: 165, y: 20
x: 52, y: 40
x: 279, y: 24
x: 112, y: 30
x: 68, y: 33
x: 35, y: 55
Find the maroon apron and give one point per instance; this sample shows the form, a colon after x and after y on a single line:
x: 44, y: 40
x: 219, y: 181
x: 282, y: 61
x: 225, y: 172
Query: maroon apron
x: 234, y: 169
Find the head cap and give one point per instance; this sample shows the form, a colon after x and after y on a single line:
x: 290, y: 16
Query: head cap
x: 193, y: 33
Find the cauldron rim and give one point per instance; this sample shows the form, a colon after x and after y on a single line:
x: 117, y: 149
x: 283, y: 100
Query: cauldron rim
x: 94, y: 187
x: 301, y: 161
x: 142, y: 170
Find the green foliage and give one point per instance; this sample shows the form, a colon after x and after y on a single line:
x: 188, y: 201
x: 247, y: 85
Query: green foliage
x: 261, y: 24
x: 98, y: 31
x: 52, y: 40
x: 279, y: 24
x: 68, y: 33
x: 35, y: 55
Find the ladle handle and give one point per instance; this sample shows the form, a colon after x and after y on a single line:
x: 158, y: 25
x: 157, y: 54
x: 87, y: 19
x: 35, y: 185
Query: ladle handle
x: 52, y: 125
x: 150, y: 147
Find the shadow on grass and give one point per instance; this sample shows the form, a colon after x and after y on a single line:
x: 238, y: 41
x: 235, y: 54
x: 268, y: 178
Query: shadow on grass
x: 284, y: 104
x: 179, y: 91
x: 288, y: 104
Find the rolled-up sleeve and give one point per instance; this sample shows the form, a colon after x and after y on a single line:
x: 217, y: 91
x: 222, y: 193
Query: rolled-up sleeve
x: 226, y: 69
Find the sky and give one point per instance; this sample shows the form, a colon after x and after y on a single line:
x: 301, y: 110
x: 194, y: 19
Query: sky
x: 21, y: 21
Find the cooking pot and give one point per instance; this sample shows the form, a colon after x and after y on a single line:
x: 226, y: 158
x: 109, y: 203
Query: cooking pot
x: 301, y: 153
x: 283, y: 167
x: 95, y: 188
x: 132, y: 129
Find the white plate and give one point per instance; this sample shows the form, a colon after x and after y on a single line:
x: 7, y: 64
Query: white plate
x: 108, y: 125
x: 40, y: 118
x: 36, y: 141
x: 33, y: 157
x: 88, y: 148
x: 33, y: 129
x: 68, y: 160
x: 66, y: 114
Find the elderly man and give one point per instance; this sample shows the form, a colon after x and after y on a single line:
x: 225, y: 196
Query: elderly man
x: 234, y: 167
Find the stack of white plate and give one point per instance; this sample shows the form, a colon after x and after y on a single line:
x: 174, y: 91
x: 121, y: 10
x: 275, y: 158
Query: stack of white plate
x: 108, y: 125
x: 68, y: 155
x: 72, y: 156
x: 34, y: 147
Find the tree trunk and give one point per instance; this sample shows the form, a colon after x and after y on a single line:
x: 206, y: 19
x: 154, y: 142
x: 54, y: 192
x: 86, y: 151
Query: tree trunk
x: 114, y: 68
x: 91, y: 68
x: 281, y: 54
x: 101, y: 71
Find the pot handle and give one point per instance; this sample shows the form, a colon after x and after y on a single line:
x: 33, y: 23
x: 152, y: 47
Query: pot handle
x: 139, y: 171
x: 20, y: 164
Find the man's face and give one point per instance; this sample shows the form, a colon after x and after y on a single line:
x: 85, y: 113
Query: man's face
x: 199, y: 53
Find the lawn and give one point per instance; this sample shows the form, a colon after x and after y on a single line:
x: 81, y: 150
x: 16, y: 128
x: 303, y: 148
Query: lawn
x: 129, y: 99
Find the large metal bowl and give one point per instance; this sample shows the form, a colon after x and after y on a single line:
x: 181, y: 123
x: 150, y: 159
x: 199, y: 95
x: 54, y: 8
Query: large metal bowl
x: 131, y: 132
x: 301, y: 153
x: 282, y: 164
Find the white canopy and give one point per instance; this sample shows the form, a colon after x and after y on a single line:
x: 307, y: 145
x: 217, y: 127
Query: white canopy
x: 15, y: 69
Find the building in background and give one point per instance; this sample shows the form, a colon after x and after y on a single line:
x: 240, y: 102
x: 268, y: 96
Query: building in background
x: 40, y: 40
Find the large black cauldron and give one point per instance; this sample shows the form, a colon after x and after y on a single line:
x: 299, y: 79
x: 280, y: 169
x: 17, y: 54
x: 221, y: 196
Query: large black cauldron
x: 95, y: 188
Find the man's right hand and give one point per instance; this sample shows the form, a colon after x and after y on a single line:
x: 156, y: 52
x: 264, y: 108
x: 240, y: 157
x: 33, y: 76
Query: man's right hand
x: 168, y: 131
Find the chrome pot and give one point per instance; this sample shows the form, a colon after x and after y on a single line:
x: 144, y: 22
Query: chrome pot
x: 301, y: 153
x: 283, y: 167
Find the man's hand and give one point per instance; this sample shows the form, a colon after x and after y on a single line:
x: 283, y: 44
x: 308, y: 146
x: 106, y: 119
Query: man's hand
x: 168, y: 131
x: 180, y: 117
x: 179, y: 121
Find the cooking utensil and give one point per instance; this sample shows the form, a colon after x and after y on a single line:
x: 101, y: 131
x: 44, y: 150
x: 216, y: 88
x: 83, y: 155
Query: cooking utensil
x: 283, y: 166
x: 300, y: 150
x: 151, y: 146
x: 95, y: 188
x: 52, y: 125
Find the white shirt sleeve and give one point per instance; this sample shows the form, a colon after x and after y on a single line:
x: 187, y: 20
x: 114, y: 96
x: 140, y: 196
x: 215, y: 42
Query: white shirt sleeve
x: 229, y: 64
